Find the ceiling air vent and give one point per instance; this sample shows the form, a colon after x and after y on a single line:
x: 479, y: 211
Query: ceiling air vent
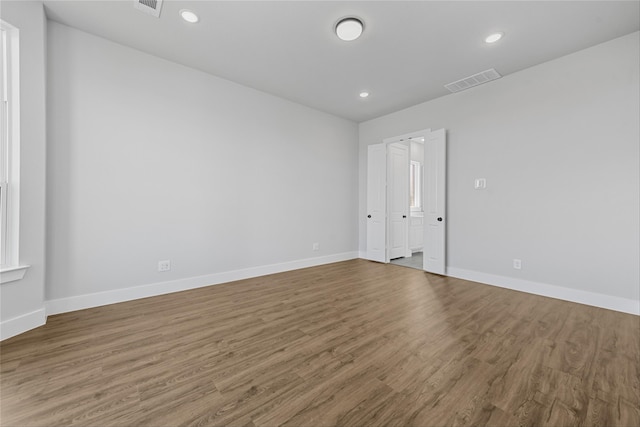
x: 152, y: 7
x: 475, y: 80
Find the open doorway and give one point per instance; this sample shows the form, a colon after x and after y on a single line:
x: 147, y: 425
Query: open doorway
x: 412, y: 196
x: 406, y: 200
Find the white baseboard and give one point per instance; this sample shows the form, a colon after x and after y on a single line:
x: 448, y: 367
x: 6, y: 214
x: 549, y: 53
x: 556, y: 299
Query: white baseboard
x: 559, y: 292
x: 23, y: 323
x: 80, y: 302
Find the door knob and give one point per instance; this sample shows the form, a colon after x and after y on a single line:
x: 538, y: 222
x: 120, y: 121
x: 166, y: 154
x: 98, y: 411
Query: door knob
x: 368, y: 216
x: 439, y: 218
x: 404, y: 216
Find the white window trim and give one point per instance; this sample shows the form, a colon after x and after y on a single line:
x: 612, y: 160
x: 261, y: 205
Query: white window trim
x: 11, y: 274
x: 417, y: 186
x: 11, y: 270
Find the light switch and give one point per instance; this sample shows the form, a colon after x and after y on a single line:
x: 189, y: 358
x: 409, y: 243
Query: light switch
x: 480, y: 184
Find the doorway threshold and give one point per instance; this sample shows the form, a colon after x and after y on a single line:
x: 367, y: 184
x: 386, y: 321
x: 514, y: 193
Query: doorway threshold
x: 415, y: 261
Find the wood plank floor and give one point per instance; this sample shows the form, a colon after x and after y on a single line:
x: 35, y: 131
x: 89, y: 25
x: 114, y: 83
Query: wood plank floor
x: 351, y: 344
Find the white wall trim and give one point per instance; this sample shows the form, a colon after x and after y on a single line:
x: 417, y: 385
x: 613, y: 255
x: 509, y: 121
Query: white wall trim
x: 559, y: 292
x: 80, y: 302
x: 11, y: 274
x: 22, y: 323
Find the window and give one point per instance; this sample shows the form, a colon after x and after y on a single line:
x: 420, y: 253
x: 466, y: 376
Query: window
x: 415, y: 186
x: 9, y: 154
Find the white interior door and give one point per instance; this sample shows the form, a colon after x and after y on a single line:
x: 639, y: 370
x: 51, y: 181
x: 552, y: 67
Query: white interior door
x: 435, y: 186
x: 377, y: 202
x: 398, y: 186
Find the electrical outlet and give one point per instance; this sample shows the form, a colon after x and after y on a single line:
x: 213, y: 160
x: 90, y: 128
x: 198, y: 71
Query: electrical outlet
x: 316, y: 246
x: 480, y: 183
x: 517, y: 264
x: 164, y: 265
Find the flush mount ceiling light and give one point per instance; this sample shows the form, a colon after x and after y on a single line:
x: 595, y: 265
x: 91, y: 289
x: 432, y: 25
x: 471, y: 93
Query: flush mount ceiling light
x: 493, y: 38
x: 349, y: 29
x: 364, y: 94
x: 189, y: 16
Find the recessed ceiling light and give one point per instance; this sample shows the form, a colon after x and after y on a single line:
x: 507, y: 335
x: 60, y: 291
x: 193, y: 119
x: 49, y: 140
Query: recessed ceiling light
x: 349, y: 29
x: 494, y: 37
x: 364, y: 94
x: 189, y: 16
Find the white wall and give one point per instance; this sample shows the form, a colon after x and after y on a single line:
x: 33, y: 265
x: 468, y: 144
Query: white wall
x: 559, y: 146
x: 22, y: 302
x: 149, y: 160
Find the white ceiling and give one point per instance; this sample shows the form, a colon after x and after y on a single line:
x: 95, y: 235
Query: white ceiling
x: 407, y: 52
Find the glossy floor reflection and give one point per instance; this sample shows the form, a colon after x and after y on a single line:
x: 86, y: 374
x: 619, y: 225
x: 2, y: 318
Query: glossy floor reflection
x: 355, y: 343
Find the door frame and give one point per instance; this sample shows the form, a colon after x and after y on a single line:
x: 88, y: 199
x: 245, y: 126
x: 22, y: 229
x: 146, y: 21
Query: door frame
x: 405, y: 138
